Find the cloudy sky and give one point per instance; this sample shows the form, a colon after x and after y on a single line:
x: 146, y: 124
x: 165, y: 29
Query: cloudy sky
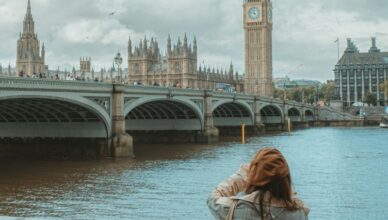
x: 303, y: 36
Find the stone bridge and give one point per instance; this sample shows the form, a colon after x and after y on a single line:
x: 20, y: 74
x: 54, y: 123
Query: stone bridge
x: 36, y: 108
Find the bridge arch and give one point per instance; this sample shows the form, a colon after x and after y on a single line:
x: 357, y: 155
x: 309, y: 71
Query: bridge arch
x: 309, y: 115
x: 271, y: 114
x: 232, y: 113
x: 161, y: 114
x: 56, y: 116
x: 294, y: 114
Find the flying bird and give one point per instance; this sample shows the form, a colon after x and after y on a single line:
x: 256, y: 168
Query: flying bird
x: 112, y: 13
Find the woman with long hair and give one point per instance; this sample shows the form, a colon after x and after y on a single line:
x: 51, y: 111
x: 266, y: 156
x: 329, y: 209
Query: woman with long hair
x: 259, y: 190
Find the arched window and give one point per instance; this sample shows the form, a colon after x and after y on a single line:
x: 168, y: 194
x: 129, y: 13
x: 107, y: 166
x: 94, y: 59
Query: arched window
x: 178, y: 67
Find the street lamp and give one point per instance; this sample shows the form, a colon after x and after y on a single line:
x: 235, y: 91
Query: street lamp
x: 119, y: 61
x: 386, y: 93
x: 317, y: 94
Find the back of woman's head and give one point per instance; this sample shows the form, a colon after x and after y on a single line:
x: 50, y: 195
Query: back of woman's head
x: 269, y: 172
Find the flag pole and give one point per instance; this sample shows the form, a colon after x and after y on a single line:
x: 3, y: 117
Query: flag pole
x: 338, y: 47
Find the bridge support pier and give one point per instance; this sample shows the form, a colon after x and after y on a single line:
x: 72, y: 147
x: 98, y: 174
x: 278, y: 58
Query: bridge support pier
x: 259, y: 126
x: 121, y: 143
x: 210, y: 134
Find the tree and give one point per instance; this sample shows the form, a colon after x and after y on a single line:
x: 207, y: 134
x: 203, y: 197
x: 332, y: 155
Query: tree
x: 371, y: 99
x: 328, y: 90
x: 296, y: 94
x: 384, y: 87
x: 279, y: 94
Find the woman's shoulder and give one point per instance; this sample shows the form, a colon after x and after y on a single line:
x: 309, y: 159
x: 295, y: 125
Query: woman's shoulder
x: 252, y: 199
x: 301, y: 205
x: 247, y: 210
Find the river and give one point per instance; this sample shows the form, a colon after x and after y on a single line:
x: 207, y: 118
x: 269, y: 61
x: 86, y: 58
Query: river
x: 341, y: 173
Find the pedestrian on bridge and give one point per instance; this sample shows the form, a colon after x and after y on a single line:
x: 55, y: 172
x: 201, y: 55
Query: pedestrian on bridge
x: 259, y: 190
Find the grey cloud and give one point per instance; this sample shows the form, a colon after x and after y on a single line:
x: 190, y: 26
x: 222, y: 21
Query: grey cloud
x: 299, y: 36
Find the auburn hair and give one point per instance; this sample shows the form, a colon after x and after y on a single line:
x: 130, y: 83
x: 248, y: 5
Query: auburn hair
x: 269, y: 172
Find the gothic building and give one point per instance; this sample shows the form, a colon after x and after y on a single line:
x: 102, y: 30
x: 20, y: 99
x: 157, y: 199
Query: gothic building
x: 258, y: 47
x: 85, y: 64
x: 177, y: 67
x: 30, y: 58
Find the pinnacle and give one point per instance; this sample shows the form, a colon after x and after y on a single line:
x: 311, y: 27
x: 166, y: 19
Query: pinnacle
x: 29, y: 8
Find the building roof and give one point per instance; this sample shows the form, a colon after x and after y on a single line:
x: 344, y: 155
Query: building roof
x: 353, y: 56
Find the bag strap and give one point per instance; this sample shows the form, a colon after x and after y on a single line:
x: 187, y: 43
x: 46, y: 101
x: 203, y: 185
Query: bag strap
x: 231, y: 210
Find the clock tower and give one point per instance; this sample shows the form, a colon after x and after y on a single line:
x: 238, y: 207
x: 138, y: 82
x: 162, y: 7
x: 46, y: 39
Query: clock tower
x: 258, y: 47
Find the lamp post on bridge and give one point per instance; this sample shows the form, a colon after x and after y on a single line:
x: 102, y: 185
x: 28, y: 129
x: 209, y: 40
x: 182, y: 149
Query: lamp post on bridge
x: 386, y: 93
x: 119, y: 60
x: 317, y: 95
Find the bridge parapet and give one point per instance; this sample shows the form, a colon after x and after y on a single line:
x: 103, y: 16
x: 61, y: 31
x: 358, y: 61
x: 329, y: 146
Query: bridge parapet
x: 155, y: 90
x: 44, y: 84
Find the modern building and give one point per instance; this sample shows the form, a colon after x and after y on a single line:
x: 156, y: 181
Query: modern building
x: 30, y: 58
x: 258, y: 47
x: 357, y: 74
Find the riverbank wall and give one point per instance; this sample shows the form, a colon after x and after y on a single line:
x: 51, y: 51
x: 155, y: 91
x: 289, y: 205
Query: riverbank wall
x: 340, y: 123
x: 94, y: 148
x: 62, y: 148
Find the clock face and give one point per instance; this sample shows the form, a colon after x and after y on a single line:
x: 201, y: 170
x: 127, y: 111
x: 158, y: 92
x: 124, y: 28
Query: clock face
x: 254, y: 13
x: 270, y: 13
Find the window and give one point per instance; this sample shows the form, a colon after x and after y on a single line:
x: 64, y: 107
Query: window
x: 178, y: 67
x: 137, y: 68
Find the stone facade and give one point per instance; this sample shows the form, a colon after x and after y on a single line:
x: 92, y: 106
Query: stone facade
x: 357, y: 74
x: 258, y: 47
x: 177, y: 67
x: 30, y: 59
x: 85, y: 64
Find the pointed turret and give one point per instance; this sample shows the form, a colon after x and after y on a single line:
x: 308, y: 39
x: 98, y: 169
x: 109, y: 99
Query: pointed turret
x: 185, y: 40
x: 101, y: 74
x: 169, y: 45
x: 43, y: 52
x: 179, y: 42
x: 28, y: 24
x: 129, y: 47
x: 185, y: 46
x: 155, y: 51
x: 195, y: 48
x: 231, y: 70
x: 145, y: 45
x: 29, y: 7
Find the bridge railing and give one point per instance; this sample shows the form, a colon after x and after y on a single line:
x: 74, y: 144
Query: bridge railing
x: 15, y: 82
x: 172, y: 91
x: 329, y: 113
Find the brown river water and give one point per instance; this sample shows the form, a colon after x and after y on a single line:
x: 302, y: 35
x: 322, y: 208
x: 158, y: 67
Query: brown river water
x: 340, y: 172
